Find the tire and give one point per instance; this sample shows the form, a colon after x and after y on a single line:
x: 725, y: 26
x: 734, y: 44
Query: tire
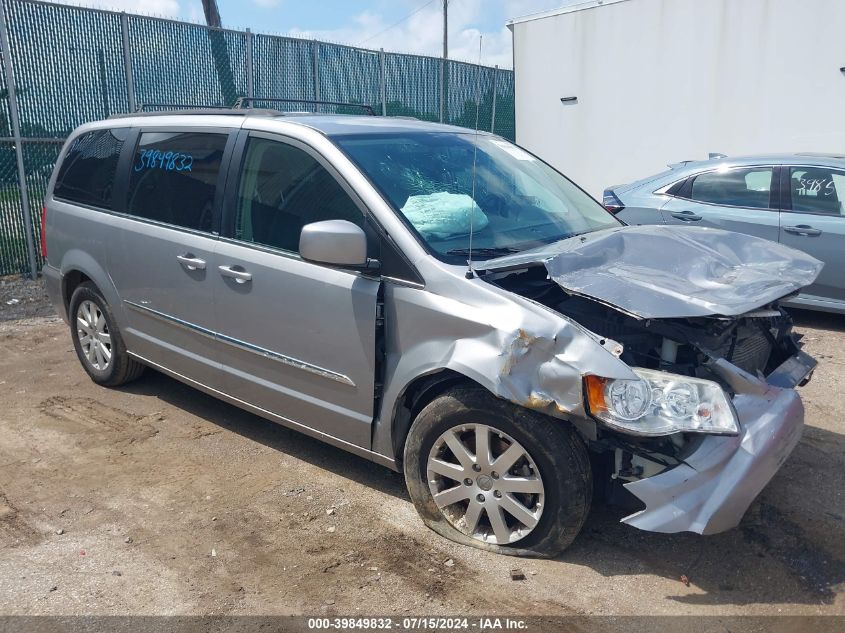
x: 104, y: 355
x: 551, y: 452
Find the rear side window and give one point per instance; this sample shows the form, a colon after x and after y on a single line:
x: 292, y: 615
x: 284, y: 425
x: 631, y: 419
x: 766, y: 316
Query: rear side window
x: 817, y: 190
x: 86, y: 175
x: 174, y: 178
x: 735, y: 187
x: 680, y: 189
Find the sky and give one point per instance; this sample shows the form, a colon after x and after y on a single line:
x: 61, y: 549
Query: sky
x: 407, y: 26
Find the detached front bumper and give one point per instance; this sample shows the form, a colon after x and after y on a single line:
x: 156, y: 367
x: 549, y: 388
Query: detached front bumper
x: 712, y: 489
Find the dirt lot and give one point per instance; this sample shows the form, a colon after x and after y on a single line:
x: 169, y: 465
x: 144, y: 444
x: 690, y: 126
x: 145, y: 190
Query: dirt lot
x: 156, y: 499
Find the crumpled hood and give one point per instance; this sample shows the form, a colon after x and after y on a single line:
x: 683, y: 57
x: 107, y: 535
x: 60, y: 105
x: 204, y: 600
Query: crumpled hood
x: 660, y: 272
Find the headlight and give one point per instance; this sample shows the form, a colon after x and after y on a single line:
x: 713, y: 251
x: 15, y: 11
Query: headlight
x: 660, y: 403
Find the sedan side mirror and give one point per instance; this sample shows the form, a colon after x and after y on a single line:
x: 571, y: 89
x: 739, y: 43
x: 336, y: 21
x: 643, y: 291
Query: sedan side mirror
x: 336, y: 242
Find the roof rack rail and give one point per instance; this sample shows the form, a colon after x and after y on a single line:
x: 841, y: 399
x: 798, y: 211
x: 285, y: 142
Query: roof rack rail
x: 147, y: 107
x: 262, y: 112
x: 239, y: 108
x: 239, y: 104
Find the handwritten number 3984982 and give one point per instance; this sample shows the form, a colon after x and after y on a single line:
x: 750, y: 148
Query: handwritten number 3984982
x: 169, y: 161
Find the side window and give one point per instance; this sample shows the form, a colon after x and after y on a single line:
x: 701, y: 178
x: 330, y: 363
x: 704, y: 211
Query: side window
x: 817, y: 190
x: 87, y: 173
x: 282, y: 188
x: 734, y: 187
x: 680, y: 189
x: 174, y: 178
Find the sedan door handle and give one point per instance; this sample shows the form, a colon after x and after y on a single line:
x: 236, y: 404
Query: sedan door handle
x: 189, y: 261
x: 686, y: 216
x: 803, y: 229
x: 235, y: 272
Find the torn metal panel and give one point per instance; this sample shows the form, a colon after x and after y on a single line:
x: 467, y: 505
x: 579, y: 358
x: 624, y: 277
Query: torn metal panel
x: 515, y: 348
x: 652, y: 272
x: 544, y: 373
x: 534, y: 350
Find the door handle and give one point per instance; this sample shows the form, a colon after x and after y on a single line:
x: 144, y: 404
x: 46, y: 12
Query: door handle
x: 235, y: 272
x: 686, y: 216
x: 803, y: 229
x: 189, y: 261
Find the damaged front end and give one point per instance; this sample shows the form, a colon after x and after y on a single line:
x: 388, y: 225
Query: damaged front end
x: 713, y: 413
x: 703, y: 481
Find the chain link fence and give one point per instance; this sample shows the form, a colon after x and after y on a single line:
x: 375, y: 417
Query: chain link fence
x: 13, y: 247
x: 64, y: 65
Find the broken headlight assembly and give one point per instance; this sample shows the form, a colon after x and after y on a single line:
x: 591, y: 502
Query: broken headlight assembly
x: 660, y: 403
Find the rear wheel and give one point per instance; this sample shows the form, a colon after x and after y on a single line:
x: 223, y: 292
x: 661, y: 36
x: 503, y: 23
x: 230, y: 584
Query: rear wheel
x: 486, y: 473
x: 97, y: 340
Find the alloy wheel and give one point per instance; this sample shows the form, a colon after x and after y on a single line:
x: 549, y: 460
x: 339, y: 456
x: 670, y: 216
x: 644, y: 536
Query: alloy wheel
x: 93, y: 334
x: 485, y: 484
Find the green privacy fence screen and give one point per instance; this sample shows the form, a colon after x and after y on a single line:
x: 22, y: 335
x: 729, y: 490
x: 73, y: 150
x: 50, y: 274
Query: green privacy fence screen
x: 65, y: 65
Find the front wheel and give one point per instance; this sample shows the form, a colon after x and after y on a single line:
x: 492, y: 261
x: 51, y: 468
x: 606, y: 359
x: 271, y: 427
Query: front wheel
x: 486, y: 473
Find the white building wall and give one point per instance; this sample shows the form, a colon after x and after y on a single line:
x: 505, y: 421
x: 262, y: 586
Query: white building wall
x: 660, y: 81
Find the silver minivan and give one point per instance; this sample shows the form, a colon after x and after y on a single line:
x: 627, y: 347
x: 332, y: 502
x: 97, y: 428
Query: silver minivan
x: 438, y: 301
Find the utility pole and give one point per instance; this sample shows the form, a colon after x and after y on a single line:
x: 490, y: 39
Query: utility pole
x: 445, y: 29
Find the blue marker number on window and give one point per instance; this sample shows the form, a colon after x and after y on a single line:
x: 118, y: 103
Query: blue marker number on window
x: 168, y: 161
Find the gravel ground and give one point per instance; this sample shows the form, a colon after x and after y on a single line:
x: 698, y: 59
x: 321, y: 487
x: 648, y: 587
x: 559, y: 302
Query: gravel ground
x: 157, y: 499
x: 21, y: 298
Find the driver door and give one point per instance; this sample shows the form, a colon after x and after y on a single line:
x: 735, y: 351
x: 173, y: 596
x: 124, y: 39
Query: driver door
x: 296, y: 338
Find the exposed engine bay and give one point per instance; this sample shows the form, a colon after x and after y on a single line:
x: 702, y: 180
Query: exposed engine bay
x: 757, y: 342
x: 708, y: 410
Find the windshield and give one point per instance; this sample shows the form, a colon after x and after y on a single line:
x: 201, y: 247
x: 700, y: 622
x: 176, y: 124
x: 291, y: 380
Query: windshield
x: 516, y: 203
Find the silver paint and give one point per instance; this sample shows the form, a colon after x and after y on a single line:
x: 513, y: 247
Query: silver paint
x: 711, y: 490
x: 287, y: 360
x: 476, y: 488
x: 659, y: 272
x: 333, y: 242
x: 648, y: 202
x: 325, y: 317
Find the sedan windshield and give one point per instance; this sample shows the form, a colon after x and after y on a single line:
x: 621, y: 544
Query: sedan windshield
x: 448, y: 185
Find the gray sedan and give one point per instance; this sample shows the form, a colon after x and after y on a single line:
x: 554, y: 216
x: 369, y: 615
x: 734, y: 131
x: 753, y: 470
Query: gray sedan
x: 796, y: 199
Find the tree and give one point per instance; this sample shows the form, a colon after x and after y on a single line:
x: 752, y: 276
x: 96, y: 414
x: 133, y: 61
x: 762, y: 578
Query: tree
x: 220, y: 51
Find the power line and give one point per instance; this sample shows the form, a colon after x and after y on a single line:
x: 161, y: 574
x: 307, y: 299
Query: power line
x: 410, y: 15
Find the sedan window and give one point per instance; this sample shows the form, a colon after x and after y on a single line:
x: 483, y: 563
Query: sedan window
x: 734, y: 187
x: 817, y: 190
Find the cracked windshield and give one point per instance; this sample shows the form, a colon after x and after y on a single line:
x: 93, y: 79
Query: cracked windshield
x: 513, y: 203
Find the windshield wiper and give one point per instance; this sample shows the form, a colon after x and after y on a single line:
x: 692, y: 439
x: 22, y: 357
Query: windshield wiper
x: 491, y: 251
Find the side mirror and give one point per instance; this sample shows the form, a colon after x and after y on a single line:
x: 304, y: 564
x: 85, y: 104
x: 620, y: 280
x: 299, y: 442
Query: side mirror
x: 336, y: 242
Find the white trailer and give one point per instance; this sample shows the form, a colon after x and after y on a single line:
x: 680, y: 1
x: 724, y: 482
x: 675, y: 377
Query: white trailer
x: 612, y: 91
